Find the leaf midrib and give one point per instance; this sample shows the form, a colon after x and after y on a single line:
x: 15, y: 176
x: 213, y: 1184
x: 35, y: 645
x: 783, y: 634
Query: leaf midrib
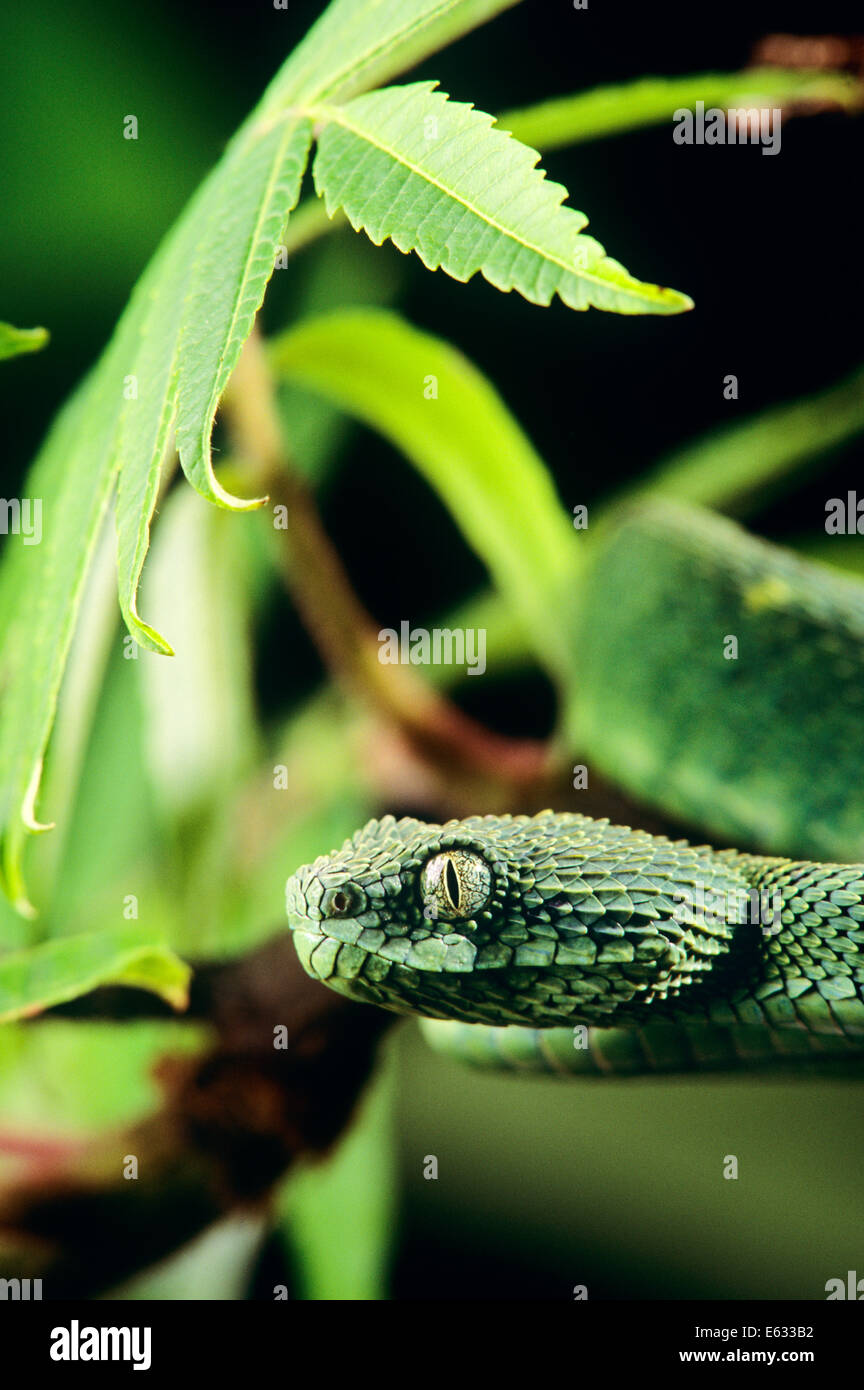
x: 337, y: 117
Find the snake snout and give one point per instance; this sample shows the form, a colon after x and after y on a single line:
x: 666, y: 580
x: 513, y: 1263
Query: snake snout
x: 327, y: 913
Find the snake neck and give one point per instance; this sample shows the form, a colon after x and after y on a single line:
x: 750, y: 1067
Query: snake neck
x: 797, y: 957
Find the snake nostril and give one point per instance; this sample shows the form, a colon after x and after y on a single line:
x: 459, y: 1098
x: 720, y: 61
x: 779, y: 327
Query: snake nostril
x: 344, y: 901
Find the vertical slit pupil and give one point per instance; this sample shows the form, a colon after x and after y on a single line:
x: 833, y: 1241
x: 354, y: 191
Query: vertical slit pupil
x: 451, y: 881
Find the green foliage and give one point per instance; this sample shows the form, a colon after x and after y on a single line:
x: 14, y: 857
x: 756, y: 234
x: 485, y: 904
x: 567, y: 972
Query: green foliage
x: 14, y: 341
x: 50, y: 974
x: 181, y: 336
x: 47, y: 1071
x: 357, y: 44
x: 179, y: 799
x: 612, y: 110
x: 198, y: 579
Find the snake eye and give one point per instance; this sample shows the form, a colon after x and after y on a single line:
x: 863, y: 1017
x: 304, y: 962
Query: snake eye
x: 456, y: 884
x: 342, y: 902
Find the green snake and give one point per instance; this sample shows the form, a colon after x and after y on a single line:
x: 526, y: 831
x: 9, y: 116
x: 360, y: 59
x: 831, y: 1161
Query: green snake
x: 572, y: 942
x: 556, y: 942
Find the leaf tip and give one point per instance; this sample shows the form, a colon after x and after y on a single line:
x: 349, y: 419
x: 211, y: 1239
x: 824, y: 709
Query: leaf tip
x: 28, y: 805
x: 12, y: 880
x: 15, y: 341
x: 675, y: 301
x: 145, y: 635
x: 198, y: 467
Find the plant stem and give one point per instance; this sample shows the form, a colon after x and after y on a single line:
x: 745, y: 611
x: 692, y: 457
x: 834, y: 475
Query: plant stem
x: 342, y: 629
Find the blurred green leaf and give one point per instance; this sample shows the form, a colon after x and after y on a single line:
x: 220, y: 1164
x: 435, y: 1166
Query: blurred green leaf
x: 218, y: 1265
x: 37, y: 978
x: 199, y: 720
x: 68, y: 1075
x: 611, y: 110
x: 115, y: 843
x: 731, y: 467
x: 448, y: 420
x: 14, y: 341
x: 338, y: 1215
x: 842, y: 552
x: 310, y: 795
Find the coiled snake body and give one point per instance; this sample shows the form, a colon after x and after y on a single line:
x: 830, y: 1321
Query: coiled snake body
x: 564, y: 943
x: 581, y: 946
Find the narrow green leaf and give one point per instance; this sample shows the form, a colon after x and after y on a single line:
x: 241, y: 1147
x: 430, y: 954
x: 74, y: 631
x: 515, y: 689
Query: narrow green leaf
x: 732, y: 466
x: 464, y: 441
x: 437, y: 178
x: 41, y: 588
x: 612, y: 110
x: 95, y: 633
x: 358, y: 44
x: 124, y: 414
x: 14, y: 341
x: 59, y: 970
x: 240, y: 228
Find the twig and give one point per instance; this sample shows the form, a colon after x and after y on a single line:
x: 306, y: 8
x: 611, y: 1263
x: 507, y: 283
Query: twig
x: 342, y: 629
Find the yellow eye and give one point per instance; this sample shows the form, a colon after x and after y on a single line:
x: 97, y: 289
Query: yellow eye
x: 456, y: 884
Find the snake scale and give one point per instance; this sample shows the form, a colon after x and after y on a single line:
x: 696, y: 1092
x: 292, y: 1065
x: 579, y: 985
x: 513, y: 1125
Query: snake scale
x: 560, y: 943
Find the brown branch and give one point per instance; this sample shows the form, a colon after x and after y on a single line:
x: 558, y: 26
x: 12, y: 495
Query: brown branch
x: 232, y: 1122
x: 343, y: 631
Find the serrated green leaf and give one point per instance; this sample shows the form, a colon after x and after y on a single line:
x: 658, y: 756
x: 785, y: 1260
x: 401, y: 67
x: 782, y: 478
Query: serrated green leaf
x: 612, y: 110
x: 14, y: 341
x: 466, y: 444
x: 59, y: 970
x: 628, y: 106
x: 41, y: 587
x: 435, y: 177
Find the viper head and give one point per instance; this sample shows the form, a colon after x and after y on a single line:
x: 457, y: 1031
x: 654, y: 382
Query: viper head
x: 505, y: 919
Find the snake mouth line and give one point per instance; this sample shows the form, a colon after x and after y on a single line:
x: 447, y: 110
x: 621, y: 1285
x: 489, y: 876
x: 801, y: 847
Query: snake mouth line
x: 309, y: 944
x: 345, y: 949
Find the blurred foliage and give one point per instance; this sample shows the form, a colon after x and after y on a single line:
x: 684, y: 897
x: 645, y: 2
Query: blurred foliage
x: 17, y: 340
